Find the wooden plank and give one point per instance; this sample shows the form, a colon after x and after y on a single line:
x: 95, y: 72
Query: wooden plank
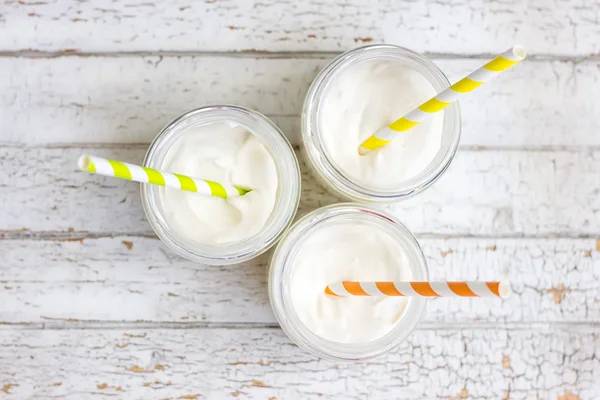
x: 514, y: 192
x: 483, y: 193
x: 139, y: 279
x: 262, y: 363
x: 472, y: 27
x: 129, y: 99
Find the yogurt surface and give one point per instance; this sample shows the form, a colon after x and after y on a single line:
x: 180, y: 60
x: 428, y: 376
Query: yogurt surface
x: 363, y: 98
x: 347, y: 251
x: 226, y: 154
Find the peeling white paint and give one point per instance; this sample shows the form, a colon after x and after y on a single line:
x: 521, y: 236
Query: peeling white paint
x: 92, y: 306
x: 565, y: 27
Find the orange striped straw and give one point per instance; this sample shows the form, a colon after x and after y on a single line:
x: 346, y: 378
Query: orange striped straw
x: 419, y: 289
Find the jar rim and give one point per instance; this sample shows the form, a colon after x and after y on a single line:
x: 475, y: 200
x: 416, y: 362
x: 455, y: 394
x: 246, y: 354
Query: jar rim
x: 318, y: 155
x: 288, y: 194
x: 280, y: 269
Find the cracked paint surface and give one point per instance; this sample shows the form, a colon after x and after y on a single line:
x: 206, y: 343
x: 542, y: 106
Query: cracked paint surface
x: 93, y: 305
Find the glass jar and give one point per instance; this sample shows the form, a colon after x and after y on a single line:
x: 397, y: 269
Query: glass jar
x: 322, y: 165
x: 281, y: 268
x: 288, y: 195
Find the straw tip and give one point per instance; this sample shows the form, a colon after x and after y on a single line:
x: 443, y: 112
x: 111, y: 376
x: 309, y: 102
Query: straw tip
x: 504, y: 289
x: 330, y: 293
x: 242, y: 190
x: 84, y: 162
x: 519, y: 52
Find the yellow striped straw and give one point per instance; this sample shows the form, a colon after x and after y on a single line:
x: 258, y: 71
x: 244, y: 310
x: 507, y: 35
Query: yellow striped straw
x: 136, y: 173
x: 490, y: 70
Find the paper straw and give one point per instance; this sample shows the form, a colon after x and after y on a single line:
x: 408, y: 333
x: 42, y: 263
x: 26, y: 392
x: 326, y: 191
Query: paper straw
x: 136, y: 173
x: 419, y: 289
x: 490, y: 70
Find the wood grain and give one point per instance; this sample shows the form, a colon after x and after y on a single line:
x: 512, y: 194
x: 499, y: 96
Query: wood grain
x: 92, y: 305
x: 563, y: 28
x: 483, y: 193
x: 554, y: 280
x: 262, y: 363
x: 129, y: 99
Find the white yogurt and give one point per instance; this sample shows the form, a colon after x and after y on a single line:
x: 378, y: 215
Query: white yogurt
x: 229, y: 155
x: 348, y: 251
x: 365, y: 98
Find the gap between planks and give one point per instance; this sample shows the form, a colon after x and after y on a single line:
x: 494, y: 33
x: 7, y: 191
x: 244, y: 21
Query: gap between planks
x: 21, y: 234
x: 77, y: 324
x: 107, y: 145
x: 262, y: 54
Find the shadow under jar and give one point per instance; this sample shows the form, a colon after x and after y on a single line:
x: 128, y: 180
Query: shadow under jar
x: 320, y: 107
x: 287, y: 193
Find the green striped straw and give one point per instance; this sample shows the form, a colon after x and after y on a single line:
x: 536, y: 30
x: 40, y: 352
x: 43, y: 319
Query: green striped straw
x: 136, y: 173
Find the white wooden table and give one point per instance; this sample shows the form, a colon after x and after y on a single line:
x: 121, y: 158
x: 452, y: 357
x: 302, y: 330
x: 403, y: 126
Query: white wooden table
x: 92, y: 305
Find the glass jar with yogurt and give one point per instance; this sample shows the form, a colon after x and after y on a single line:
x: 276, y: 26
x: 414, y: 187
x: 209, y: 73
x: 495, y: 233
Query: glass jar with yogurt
x: 345, y: 242
x: 234, y: 146
x: 360, y: 92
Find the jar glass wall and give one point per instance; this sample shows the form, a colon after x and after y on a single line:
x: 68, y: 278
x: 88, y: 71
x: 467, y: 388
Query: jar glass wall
x: 281, y: 273
x: 320, y: 161
x: 288, y: 195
